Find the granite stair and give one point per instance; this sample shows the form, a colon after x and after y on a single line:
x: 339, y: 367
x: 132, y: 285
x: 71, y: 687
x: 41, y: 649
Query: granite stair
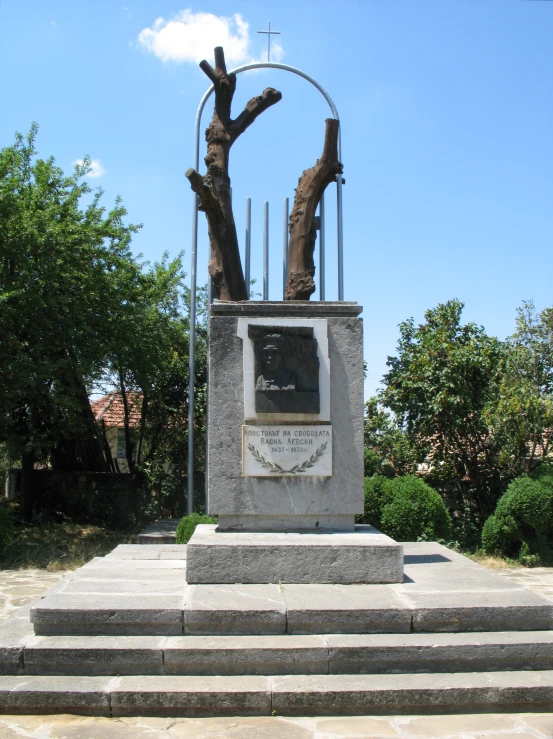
x: 126, y: 635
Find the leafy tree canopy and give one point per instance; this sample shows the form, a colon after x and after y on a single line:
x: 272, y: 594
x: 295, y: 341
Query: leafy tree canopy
x: 78, y: 312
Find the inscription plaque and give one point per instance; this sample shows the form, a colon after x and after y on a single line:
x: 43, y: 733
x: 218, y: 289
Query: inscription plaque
x: 287, y: 450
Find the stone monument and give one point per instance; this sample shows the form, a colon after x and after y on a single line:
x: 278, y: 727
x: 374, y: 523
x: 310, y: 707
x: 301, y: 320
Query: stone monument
x: 285, y: 461
x: 128, y: 634
x: 285, y: 449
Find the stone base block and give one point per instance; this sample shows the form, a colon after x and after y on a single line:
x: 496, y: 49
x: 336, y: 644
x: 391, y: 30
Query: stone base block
x: 363, y: 556
x: 265, y: 524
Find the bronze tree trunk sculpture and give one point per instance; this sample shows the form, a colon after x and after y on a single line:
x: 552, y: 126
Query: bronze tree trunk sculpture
x: 213, y: 189
x: 311, y: 185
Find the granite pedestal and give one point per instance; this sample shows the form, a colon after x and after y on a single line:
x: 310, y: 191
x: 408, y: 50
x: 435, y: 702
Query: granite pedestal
x: 363, y: 556
x: 286, y: 484
x: 291, y: 502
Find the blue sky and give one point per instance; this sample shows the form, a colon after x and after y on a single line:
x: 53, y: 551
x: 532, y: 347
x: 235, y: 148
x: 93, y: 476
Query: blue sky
x: 447, y: 121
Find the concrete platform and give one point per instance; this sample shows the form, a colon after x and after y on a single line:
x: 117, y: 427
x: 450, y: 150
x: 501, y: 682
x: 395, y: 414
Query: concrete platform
x: 127, y: 636
x: 365, y: 555
x: 442, y: 592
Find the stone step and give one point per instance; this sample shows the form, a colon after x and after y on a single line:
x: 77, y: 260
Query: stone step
x: 305, y: 695
x: 163, y: 531
x: 141, y: 590
x: 23, y: 653
x: 163, y: 607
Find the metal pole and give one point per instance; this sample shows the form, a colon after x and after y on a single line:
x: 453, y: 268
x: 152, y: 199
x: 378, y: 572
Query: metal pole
x: 339, y: 223
x: 247, y: 255
x: 285, y: 248
x: 193, y: 282
x: 265, y: 250
x: 192, y: 360
x: 322, y: 248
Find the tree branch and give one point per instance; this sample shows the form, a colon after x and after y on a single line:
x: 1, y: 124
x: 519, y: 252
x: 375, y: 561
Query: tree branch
x: 220, y: 59
x: 311, y: 185
x: 206, y: 67
x: 213, y: 189
x: 253, y: 108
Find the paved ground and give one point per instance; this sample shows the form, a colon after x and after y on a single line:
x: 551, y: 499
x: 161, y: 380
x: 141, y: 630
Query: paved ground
x: 492, y: 726
x: 18, y: 587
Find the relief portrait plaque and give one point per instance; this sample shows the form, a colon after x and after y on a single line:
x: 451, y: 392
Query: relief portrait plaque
x: 286, y: 369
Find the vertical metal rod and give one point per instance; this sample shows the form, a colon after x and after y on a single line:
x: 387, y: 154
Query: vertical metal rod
x: 265, y: 250
x: 192, y: 332
x: 247, y: 255
x: 285, y: 248
x: 192, y: 359
x: 322, y: 248
x: 340, y: 224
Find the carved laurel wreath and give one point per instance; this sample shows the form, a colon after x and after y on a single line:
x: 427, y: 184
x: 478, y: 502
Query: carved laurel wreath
x: 296, y: 469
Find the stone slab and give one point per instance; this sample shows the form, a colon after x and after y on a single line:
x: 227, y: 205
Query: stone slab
x: 234, y: 609
x: 297, y: 308
x: 353, y: 609
x: 480, y: 610
x: 283, y: 654
x: 122, y: 586
x: 88, y: 696
x: 313, y: 695
x: 374, y: 694
x: 365, y: 555
x: 83, y: 614
x: 154, y: 551
x: 160, y: 532
x: 526, y: 690
x: 282, y: 522
x: 251, y: 500
x: 281, y: 450
x: 135, y: 573
x: 453, y: 652
x: 101, y: 567
x: 241, y: 655
x: 94, y: 655
x: 246, y: 695
x: 14, y: 633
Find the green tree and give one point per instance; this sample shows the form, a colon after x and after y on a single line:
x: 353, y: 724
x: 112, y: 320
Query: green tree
x: 388, y: 449
x: 60, y: 284
x: 440, y: 386
x: 154, y: 363
x: 78, y: 311
x: 523, y: 416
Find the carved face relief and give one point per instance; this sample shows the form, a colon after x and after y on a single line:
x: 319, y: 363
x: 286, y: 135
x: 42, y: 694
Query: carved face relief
x: 286, y: 369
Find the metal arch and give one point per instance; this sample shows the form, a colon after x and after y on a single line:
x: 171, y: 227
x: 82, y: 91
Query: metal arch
x: 194, y: 254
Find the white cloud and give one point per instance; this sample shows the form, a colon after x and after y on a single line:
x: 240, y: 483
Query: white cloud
x: 191, y: 37
x: 96, y: 169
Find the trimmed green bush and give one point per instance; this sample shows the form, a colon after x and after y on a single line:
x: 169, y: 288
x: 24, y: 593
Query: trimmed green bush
x: 405, y: 508
x: 187, y: 526
x: 522, y: 525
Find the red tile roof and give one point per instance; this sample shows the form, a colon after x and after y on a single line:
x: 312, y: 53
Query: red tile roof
x: 110, y: 410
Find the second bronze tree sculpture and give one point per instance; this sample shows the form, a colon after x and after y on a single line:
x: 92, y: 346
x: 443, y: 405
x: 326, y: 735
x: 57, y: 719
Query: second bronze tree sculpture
x: 214, y: 193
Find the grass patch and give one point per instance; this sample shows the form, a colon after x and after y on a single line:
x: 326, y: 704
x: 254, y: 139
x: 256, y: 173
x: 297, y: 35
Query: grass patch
x: 494, y: 562
x: 59, y: 546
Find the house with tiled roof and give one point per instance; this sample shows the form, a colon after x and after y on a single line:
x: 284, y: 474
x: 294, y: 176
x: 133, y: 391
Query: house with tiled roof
x: 109, y: 412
